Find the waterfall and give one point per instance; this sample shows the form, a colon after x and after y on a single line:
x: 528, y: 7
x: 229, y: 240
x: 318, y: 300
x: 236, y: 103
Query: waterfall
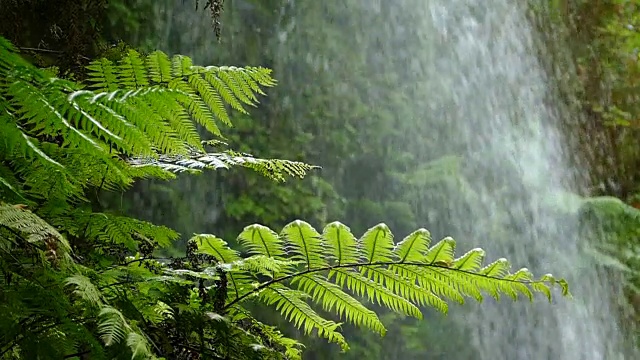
x: 516, y: 156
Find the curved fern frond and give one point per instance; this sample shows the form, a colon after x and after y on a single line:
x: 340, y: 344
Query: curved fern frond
x: 261, y: 240
x: 85, y: 290
x: 375, y: 292
x: 304, y: 244
x: 334, y: 299
x: 333, y: 269
x: 268, y: 339
x: 292, y: 305
x: 139, y: 346
x: 113, y: 326
x: 33, y: 229
x: 342, y: 244
x: 195, y: 161
x: 239, y: 280
x: 208, y: 88
x: 124, y: 230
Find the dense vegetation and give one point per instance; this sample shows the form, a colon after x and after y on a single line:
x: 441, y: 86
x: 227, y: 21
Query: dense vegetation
x: 80, y: 235
x: 83, y: 281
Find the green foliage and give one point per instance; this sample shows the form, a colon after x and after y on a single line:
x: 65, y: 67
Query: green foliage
x: 61, y: 144
x: 139, y: 114
x: 79, y: 280
x: 604, y: 48
x: 402, y: 277
x: 613, y: 229
x: 617, y: 226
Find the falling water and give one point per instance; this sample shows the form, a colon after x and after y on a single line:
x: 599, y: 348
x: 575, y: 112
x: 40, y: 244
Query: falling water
x: 485, y: 96
x: 471, y: 75
x: 516, y: 157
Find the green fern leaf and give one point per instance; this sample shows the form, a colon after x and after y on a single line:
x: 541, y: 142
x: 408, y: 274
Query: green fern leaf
x: 113, y: 326
x: 292, y: 306
x: 207, y: 88
x: 261, y: 240
x: 85, y: 290
x: 139, y: 346
x: 240, y: 281
x: 402, y: 277
x: 375, y: 292
x: 442, y: 252
x: 341, y: 243
x: 333, y: 299
x: 377, y: 244
x: 37, y: 230
x: 305, y: 244
x: 471, y: 261
x: 413, y: 247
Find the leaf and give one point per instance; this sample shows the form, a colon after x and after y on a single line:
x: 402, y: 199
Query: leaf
x: 139, y: 346
x: 112, y: 326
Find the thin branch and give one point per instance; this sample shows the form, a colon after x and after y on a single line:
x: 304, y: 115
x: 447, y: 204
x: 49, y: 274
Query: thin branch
x: 41, y: 50
x: 77, y: 354
x: 123, y: 282
x: 50, y: 51
x: 126, y: 263
x: 206, y: 351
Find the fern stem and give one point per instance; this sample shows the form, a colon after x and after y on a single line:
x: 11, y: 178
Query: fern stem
x: 358, y: 265
x: 124, y: 282
x: 126, y: 263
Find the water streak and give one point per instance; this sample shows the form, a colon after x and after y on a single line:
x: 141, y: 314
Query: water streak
x: 517, y: 159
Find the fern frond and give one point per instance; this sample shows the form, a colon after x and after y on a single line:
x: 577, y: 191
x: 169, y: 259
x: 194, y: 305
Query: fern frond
x: 196, y: 161
x: 8, y: 186
x: 342, y: 244
x: 139, y: 346
x: 304, y: 244
x: 377, y: 244
x: 125, y: 230
x: 403, y: 288
x: 402, y: 277
x: 85, y: 290
x: 208, y: 88
x: 373, y: 291
x: 266, y: 266
x: 293, y: 307
x: 292, y: 348
x: 35, y: 229
x: 17, y: 143
x: 261, y: 240
x: 413, y: 247
x: 239, y: 281
x: 333, y: 299
x: 138, y: 119
x: 103, y: 74
x: 216, y: 247
x: 113, y: 326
